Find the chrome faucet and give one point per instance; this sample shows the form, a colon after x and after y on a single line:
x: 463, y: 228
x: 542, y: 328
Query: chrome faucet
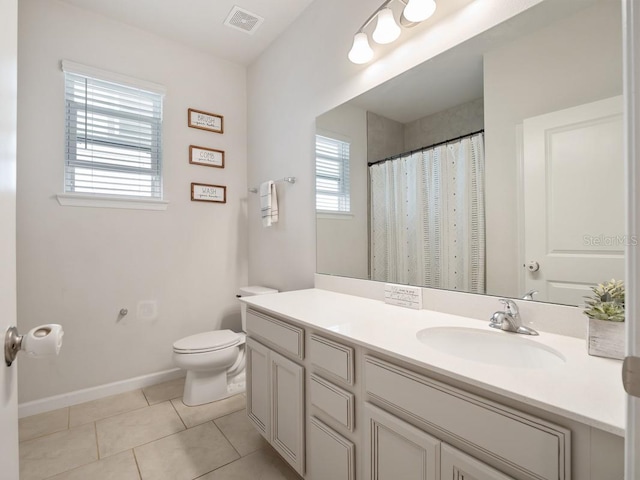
x: 509, y: 320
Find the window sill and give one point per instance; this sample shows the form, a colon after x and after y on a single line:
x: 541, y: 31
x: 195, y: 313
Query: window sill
x: 101, y: 201
x: 334, y: 215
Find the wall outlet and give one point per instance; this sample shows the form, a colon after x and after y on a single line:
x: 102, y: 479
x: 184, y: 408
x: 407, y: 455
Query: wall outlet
x: 147, y: 310
x: 403, y: 296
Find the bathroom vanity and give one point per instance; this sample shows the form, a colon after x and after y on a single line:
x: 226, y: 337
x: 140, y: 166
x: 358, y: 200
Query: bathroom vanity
x: 348, y: 388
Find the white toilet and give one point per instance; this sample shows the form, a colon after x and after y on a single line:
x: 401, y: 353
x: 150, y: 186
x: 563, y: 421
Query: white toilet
x: 214, y: 360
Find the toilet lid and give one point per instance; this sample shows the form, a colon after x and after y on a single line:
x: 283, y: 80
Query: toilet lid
x: 207, y: 341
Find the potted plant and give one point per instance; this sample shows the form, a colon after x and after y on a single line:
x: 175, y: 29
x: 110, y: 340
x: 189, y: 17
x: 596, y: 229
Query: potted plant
x: 605, y: 309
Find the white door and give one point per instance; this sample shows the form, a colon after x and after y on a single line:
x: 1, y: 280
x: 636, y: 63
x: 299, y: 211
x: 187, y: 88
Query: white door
x: 574, y: 200
x: 8, y: 98
x: 631, y: 18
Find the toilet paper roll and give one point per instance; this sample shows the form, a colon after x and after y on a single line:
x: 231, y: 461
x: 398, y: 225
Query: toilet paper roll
x: 43, y: 340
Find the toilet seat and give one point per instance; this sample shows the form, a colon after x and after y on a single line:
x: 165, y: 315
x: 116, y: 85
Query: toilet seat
x: 207, y: 342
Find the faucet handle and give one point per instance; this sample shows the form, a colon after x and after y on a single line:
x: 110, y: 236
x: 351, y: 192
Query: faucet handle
x: 510, y: 306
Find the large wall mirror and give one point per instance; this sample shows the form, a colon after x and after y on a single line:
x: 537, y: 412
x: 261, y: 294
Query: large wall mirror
x: 494, y: 168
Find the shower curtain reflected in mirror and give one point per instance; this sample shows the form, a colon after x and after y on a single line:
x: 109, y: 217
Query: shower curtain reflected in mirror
x: 428, y: 218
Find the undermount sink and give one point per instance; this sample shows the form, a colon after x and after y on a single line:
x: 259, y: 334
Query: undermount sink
x: 490, y: 347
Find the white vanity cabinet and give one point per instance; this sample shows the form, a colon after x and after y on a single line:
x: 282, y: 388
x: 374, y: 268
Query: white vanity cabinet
x: 275, y: 386
x: 340, y: 409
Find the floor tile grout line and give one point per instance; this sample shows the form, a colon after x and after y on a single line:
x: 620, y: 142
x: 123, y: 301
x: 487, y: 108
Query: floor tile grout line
x: 90, y: 463
x: 146, y: 398
x: 209, y: 419
x: 227, y: 439
x: 133, y: 451
x: 219, y: 467
x: 147, y: 443
x: 20, y: 442
x: 95, y: 432
x: 110, y: 416
x: 178, y: 413
x: 45, y: 434
x: 39, y: 437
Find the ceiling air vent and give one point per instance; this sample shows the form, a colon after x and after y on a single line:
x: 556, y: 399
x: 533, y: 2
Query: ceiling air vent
x: 244, y: 20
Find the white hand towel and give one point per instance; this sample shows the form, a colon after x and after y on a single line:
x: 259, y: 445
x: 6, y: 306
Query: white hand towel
x: 268, y: 203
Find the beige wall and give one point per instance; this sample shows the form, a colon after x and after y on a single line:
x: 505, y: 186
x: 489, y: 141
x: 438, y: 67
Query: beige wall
x: 337, y: 233
x: 385, y: 137
x: 79, y: 266
x: 445, y: 125
x: 574, y: 61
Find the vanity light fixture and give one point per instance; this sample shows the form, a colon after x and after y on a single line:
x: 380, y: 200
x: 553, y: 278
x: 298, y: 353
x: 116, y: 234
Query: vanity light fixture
x: 361, y: 52
x: 387, y: 29
x: 419, y: 10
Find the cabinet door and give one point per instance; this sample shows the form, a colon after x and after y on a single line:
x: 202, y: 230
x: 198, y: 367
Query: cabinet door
x: 331, y: 456
x: 396, y: 450
x: 287, y: 410
x: 460, y: 466
x: 258, y: 387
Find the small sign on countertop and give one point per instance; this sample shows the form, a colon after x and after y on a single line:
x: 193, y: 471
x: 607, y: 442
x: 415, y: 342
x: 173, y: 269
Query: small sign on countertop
x: 403, y: 296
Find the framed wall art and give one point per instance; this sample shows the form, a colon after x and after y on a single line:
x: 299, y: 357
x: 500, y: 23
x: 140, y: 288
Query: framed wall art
x: 211, y: 122
x: 202, y: 192
x: 209, y: 157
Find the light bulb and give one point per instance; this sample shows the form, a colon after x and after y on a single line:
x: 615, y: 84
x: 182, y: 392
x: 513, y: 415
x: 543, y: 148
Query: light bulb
x: 361, y: 51
x: 419, y: 10
x: 387, y: 30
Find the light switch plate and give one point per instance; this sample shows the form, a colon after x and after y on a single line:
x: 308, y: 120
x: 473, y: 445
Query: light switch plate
x: 403, y: 296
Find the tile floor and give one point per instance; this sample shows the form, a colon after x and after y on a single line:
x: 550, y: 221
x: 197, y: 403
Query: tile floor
x: 147, y: 434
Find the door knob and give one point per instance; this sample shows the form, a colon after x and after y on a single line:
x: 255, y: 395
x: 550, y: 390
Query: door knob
x: 533, y: 266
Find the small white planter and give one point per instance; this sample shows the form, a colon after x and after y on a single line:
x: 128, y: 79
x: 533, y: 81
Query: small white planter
x: 606, y: 339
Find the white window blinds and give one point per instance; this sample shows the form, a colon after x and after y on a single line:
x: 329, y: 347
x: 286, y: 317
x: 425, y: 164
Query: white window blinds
x: 332, y: 175
x: 113, y: 138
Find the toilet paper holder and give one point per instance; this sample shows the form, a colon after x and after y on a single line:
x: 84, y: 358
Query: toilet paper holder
x: 35, y: 342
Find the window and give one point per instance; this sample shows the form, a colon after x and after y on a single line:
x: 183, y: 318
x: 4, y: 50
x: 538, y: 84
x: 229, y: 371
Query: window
x: 332, y: 175
x: 113, y: 136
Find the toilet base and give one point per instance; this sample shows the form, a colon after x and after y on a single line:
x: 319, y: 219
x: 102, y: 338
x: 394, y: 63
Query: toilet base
x: 237, y: 384
x: 202, y: 387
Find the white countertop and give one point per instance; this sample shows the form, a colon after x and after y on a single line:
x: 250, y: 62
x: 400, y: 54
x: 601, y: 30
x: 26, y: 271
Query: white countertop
x: 585, y: 388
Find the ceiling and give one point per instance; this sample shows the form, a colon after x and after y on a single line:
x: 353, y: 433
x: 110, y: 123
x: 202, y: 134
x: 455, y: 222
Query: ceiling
x: 200, y: 25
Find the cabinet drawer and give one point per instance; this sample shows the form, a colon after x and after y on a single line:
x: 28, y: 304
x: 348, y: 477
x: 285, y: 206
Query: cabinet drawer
x: 332, y: 400
x: 331, y: 456
x: 332, y: 357
x: 536, y: 448
x: 281, y: 335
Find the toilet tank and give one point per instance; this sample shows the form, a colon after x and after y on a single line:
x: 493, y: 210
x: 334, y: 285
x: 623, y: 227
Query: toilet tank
x: 249, y: 292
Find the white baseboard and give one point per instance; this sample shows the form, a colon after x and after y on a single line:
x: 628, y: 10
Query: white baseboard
x: 85, y: 395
